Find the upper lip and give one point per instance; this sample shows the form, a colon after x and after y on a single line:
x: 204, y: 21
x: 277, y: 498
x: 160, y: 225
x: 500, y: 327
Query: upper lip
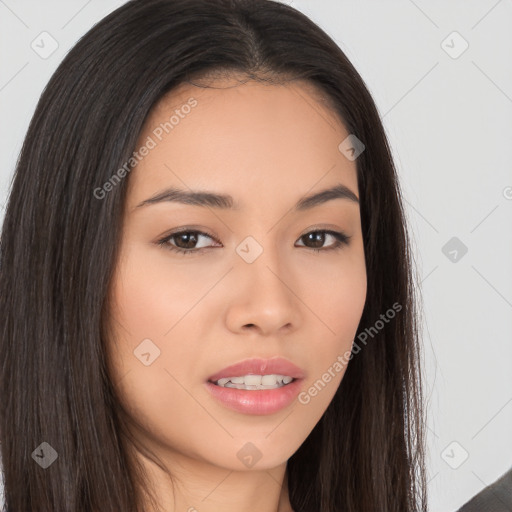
x: 276, y: 365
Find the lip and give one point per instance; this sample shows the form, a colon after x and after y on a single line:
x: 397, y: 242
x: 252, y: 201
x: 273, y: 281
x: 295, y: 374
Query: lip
x: 259, y: 366
x: 263, y: 401
x: 258, y: 401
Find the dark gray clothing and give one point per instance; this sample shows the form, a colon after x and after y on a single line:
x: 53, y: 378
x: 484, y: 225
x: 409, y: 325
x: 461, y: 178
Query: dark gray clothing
x: 496, y: 497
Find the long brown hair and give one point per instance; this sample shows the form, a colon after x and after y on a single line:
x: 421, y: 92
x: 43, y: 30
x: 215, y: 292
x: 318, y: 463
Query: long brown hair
x: 59, y: 244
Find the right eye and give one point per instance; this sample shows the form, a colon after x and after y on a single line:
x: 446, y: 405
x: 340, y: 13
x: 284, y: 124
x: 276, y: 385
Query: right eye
x: 186, y: 237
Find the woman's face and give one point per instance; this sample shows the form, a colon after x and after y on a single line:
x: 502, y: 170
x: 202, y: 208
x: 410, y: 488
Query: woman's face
x: 252, y: 286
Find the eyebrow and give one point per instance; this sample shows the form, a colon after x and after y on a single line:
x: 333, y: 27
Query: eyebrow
x: 224, y: 201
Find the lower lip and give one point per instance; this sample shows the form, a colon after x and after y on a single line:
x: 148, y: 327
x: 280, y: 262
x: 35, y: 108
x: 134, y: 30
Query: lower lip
x: 258, y: 401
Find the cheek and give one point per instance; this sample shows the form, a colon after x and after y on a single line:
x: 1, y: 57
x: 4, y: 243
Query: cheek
x: 145, y: 311
x: 336, y: 293
x: 146, y: 307
x: 151, y: 293
x: 151, y: 299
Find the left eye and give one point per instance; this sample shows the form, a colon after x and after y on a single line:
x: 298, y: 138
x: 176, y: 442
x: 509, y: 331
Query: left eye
x: 340, y: 239
x: 190, y: 238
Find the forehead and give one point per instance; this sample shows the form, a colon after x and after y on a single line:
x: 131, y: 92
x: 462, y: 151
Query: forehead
x: 234, y: 136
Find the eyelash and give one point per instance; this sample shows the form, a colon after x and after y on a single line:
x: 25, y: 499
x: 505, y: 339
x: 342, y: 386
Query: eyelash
x: 341, y: 240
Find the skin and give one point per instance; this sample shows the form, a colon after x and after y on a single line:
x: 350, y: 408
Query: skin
x: 267, y: 146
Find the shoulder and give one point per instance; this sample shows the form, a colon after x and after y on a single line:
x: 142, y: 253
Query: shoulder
x: 496, y: 497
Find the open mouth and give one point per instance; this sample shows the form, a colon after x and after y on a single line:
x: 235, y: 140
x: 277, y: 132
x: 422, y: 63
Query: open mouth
x: 254, y: 382
x: 255, y: 394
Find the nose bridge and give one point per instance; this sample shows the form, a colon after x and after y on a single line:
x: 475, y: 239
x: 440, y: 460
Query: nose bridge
x: 263, y: 286
x: 261, y: 258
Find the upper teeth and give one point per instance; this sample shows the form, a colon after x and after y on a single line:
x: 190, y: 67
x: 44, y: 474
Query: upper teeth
x: 257, y: 380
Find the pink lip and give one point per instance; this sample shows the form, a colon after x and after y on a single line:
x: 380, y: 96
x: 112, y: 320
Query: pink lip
x: 264, y: 401
x: 276, y: 365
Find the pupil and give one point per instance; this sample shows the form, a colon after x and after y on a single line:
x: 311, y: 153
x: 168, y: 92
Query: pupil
x: 192, y: 239
x: 317, y: 237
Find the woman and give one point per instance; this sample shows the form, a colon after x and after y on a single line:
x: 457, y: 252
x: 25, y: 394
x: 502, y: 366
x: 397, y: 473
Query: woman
x: 275, y: 365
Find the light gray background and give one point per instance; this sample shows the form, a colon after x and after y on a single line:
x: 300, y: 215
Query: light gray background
x: 449, y: 121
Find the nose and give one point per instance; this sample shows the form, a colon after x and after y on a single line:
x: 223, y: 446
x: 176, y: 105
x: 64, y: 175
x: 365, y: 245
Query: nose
x: 264, y: 299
